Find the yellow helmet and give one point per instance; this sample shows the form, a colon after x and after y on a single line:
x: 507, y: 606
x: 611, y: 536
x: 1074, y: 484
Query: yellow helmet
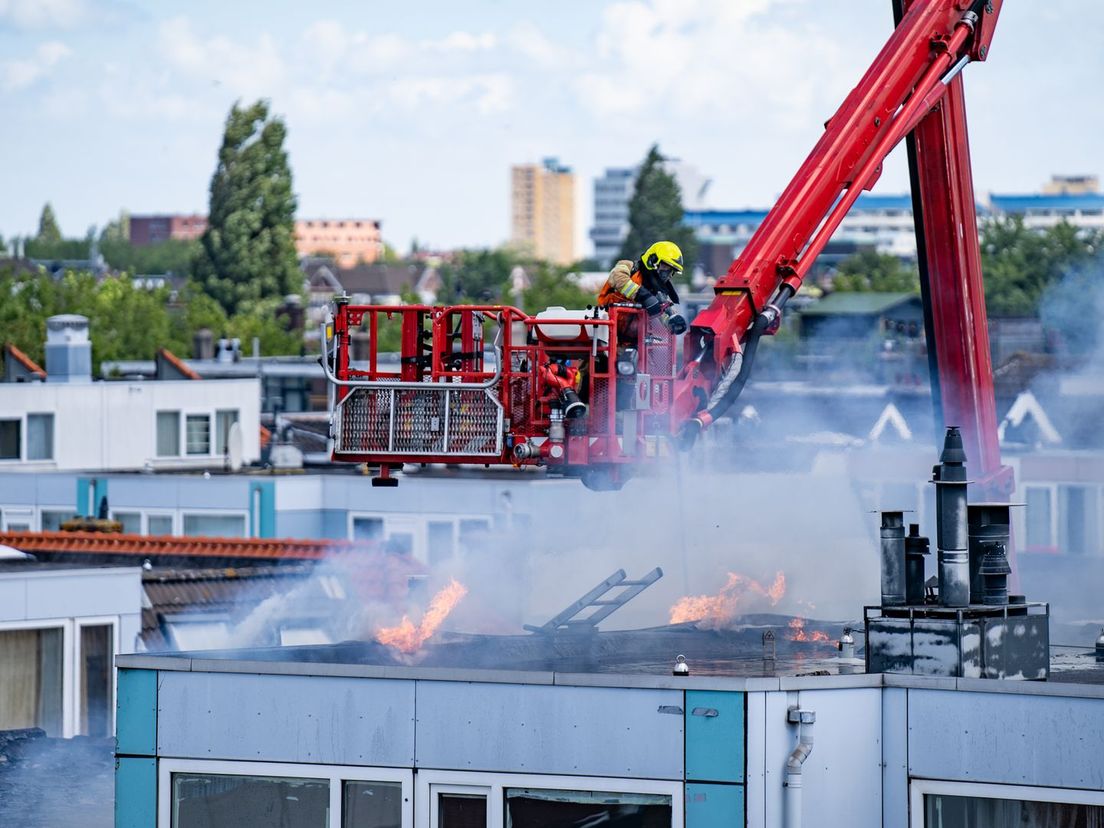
x: 663, y: 252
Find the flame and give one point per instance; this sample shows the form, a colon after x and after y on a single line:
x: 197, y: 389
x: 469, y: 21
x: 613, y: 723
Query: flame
x: 407, y: 636
x: 797, y: 632
x: 735, y: 596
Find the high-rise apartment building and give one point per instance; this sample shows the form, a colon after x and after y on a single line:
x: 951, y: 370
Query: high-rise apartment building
x: 611, y: 203
x: 542, y: 204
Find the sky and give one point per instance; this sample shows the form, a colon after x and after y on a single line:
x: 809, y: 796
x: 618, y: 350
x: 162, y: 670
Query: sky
x: 413, y: 113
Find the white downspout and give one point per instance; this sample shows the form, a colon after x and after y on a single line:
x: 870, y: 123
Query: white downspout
x: 804, y: 719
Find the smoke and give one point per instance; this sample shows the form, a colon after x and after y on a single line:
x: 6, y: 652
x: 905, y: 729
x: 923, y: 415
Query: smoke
x: 47, y: 782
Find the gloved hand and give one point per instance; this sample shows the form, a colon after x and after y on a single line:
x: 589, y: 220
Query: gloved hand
x: 649, y: 301
x: 676, y: 324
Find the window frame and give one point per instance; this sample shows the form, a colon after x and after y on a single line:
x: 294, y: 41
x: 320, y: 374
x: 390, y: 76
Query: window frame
x: 431, y: 782
x: 21, y: 437
x: 69, y: 676
x: 78, y: 665
x: 238, y: 513
x: 918, y: 788
x: 417, y: 524
x: 189, y: 415
x: 331, y: 773
x: 52, y: 457
x: 157, y: 432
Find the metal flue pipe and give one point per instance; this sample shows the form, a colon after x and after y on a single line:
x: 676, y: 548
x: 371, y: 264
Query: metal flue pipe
x: 949, y: 477
x: 804, y: 719
x: 893, y: 559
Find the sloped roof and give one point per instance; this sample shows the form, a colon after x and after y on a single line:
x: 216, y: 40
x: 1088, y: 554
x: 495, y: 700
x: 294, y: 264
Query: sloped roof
x: 145, y: 546
x: 379, y: 279
x: 29, y: 364
x: 178, y: 365
x: 848, y: 303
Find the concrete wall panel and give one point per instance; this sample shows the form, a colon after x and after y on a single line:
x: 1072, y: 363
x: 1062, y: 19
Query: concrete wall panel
x: 591, y: 731
x: 894, y: 758
x: 274, y: 718
x: 843, y: 775
x: 84, y: 592
x: 1006, y: 738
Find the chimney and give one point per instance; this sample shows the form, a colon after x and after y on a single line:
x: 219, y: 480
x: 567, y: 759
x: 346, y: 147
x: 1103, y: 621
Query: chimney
x: 203, y: 344
x: 68, y: 349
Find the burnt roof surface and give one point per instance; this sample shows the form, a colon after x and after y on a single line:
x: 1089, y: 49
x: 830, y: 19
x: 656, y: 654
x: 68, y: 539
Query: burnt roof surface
x: 739, y: 651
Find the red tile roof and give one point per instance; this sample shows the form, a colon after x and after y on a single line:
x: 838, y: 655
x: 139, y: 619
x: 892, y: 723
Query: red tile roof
x: 24, y: 360
x: 143, y: 546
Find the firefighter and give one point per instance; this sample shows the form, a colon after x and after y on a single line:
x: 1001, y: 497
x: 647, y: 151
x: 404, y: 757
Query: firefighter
x: 648, y: 282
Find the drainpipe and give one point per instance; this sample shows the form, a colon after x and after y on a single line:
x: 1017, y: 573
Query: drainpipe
x: 804, y: 719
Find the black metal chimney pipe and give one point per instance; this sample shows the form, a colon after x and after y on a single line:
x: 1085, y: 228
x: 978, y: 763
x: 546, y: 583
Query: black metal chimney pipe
x: 952, y: 537
x: 893, y: 559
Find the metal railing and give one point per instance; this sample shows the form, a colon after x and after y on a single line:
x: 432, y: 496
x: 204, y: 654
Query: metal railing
x: 417, y: 418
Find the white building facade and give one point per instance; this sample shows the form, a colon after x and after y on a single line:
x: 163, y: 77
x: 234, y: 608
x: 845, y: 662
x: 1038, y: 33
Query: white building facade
x: 123, y: 426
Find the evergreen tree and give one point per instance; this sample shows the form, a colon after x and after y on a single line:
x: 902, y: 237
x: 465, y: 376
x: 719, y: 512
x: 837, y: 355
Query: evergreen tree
x: 248, y: 251
x: 48, y: 230
x: 655, y: 213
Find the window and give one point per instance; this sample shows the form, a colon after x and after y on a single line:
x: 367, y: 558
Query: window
x: 1038, y: 518
x: 223, y: 421
x: 367, y: 528
x: 9, y: 440
x: 970, y: 805
x: 40, y: 436
x: 168, y: 433
x: 461, y: 810
x: 224, y: 526
x: 211, y: 800
x: 1078, y: 527
x: 31, y: 679
x: 97, y: 650
x: 159, y: 525
x: 536, y: 808
x: 197, y: 429
x: 372, y: 805
x: 132, y: 522
x: 53, y: 518
x: 211, y: 794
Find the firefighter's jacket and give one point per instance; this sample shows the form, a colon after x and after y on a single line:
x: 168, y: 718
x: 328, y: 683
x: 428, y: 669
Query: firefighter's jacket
x: 624, y: 282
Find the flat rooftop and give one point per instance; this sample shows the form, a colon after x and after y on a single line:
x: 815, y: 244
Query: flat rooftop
x: 719, y: 659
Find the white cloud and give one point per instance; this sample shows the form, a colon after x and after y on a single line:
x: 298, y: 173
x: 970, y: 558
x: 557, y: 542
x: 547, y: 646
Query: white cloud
x: 22, y: 72
x: 249, y: 70
x: 488, y: 93
x: 682, y: 58
x: 42, y: 14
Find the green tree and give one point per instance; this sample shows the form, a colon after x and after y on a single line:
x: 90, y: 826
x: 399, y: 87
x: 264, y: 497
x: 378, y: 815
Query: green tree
x: 248, y: 250
x: 175, y: 256
x: 259, y: 319
x: 655, y: 212
x: 1020, y: 263
x: 477, y: 276
x: 48, y: 230
x: 550, y: 286
x: 869, y: 270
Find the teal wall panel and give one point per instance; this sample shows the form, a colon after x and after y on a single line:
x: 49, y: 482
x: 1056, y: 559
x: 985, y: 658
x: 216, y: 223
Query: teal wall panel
x: 714, y: 806
x: 136, y: 713
x: 135, y: 793
x: 262, y: 509
x: 90, y: 491
x: 714, y: 736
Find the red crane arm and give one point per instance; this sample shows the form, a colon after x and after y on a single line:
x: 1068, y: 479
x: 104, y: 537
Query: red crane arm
x: 914, y: 77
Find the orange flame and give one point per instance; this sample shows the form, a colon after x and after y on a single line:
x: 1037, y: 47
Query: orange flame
x: 407, y: 636
x: 797, y: 632
x: 735, y: 596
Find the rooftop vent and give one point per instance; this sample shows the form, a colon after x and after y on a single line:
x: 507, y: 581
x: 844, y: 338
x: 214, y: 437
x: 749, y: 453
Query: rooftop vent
x: 68, y: 349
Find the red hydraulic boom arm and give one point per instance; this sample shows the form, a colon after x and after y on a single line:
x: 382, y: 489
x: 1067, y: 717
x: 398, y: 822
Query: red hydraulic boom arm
x: 913, y: 88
